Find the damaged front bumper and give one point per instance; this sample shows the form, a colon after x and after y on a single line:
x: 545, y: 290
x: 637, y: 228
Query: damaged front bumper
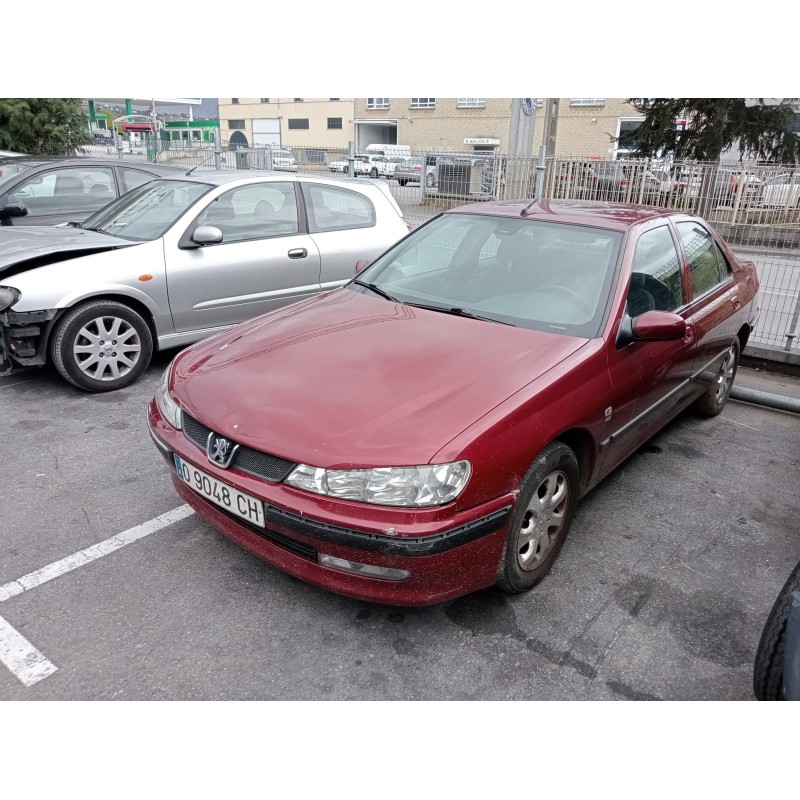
x: 23, y: 338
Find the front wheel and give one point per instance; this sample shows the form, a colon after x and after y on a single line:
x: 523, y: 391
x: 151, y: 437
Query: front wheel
x: 373, y: 173
x: 541, y: 518
x: 101, y: 346
x: 713, y: 400
x: 430, y: 180
x: 402, y: 181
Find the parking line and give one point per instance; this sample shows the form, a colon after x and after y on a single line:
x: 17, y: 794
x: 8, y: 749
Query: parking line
x: 16, y: 652
x: 21, y: 657
x: 58, y: 568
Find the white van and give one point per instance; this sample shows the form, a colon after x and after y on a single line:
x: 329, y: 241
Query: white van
x: 389, y: 150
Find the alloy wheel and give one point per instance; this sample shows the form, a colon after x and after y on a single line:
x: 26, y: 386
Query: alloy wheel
x: 107, y: 348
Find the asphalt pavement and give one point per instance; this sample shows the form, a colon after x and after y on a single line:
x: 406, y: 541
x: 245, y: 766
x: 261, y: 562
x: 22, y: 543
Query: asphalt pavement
x: 660, y: 592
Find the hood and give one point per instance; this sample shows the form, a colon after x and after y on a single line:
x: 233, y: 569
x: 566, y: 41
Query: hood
x: 350, y: 380
x: 45, y: 245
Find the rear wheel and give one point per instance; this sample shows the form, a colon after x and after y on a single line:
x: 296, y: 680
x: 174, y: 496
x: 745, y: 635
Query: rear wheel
x: 402, y: 181
x: 716, y: 395
x: 430, y: 180
x: 541, y: 518
x: 101, y: 346
x: 346, y: 170
x: 373, y: 173
x: 768, y: 667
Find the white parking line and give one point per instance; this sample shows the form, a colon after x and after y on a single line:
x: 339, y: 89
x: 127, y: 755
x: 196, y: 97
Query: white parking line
x: 16, y: 652
x: 21, y: 657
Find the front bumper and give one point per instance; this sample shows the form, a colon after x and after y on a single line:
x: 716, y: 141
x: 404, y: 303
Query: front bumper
x: 444, y: 555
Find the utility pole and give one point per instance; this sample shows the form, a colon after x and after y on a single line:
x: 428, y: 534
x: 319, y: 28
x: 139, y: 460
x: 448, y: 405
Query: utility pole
x: 550, y: 125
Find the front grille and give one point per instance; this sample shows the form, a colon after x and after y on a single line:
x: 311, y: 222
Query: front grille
x: 246, y: 459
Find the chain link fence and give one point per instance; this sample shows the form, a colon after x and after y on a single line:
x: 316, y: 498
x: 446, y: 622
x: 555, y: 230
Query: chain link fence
x: 755, y: 207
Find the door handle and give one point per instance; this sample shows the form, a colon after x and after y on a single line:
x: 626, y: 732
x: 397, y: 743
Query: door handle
x: 736, y: 302
x: 298, y: 252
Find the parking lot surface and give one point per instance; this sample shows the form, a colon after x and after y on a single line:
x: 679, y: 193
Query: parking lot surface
x: 660, y: 592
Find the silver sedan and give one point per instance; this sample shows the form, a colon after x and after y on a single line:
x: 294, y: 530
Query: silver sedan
x: 177, y: 260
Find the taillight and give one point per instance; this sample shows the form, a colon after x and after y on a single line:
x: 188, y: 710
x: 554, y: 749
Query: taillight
x: 417, y: 169
x: 622, y: 181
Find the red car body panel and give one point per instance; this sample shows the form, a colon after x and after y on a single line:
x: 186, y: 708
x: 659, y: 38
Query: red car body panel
x: 352, y: 380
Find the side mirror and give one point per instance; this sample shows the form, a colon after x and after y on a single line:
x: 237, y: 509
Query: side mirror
x: 207, y: 234
x: 361, y: 265
x: 13, y: 209
x: 652, y: 326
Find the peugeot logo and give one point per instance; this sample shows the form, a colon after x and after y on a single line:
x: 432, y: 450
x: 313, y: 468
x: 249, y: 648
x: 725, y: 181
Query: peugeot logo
x: 220, y: 450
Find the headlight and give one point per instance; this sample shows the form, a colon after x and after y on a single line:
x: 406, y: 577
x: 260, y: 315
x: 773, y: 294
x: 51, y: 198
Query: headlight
x: 166, y: 405
x: 430, y: 485
x: 8, y: 297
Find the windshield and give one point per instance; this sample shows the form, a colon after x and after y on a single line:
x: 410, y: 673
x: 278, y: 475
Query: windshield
x: 148, y: 212
x: 545, y: 276
x: 8, y: 169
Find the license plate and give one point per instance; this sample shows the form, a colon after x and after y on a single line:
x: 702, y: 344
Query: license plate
x: 225, y: 496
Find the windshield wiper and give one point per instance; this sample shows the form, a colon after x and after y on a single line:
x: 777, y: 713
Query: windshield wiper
x: 377, y: 289
x: 460, y: 312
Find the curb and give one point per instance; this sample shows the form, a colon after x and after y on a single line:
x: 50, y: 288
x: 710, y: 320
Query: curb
x: 767, y: 399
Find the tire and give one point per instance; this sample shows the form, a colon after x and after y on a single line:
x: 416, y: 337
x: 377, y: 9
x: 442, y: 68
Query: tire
x: 531, y: 547
x: 430, y: 180
x: 768, y: 667
x: 373, y: 173
x: 346, y: 170
x: 402, y: 181
x: 713, y: 400
x: 89, y: 330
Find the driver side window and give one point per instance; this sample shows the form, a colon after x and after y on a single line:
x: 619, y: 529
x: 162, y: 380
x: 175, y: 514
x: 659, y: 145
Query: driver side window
x: 656, y: 281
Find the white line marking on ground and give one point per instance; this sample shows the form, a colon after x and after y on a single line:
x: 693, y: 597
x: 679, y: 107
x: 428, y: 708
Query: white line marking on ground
x: 16, y: 652
x: 17, y: 383
x: 58, y: 568
x: 21, y: 657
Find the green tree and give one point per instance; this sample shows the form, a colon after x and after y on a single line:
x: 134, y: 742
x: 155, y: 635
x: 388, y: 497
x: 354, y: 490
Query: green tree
x: 42, y: 126
x: 757, y: 129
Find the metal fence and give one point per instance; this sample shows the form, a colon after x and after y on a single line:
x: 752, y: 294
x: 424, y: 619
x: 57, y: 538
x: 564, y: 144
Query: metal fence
x: 756, y: 208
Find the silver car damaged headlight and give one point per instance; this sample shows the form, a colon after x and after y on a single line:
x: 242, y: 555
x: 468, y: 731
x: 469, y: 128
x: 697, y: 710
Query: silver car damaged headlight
x: 8, y: 296
x: 410, y: 487
x: 170, y: 410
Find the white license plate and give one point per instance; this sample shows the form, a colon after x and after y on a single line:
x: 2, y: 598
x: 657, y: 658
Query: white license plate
x: 225, y: 496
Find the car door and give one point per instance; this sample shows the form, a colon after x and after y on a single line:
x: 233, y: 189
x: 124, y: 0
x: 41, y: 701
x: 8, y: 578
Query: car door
x: 650, y: 378
x: 265, y: 259
x: 346, y: 227
x: 714, y: 297
x: 64, y: 194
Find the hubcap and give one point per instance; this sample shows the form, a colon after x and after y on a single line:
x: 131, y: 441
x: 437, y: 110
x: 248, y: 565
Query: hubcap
x: 543, y: 521
x: 107, y: 348
x: 725, y: 375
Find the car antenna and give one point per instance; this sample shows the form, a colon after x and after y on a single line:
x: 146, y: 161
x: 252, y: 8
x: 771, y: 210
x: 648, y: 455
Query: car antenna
x: 200, y: 164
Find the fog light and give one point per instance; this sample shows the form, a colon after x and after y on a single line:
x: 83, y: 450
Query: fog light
x: 370, y: 570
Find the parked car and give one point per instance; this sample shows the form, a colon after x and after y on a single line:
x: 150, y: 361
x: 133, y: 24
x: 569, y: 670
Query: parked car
x: 776, y: 670
x: 375, y: 166
x: 283, y: 161
x: 426, y: 430
x: 43, y: 190
x: 618, y: 182
x: 177, y: 260
x: 409, y: 171
x: 782, y: 191
x: 726, y: 187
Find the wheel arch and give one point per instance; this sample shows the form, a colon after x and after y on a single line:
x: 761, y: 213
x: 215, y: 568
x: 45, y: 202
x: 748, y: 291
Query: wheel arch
x: 744, y: 336
x: 580, y: 441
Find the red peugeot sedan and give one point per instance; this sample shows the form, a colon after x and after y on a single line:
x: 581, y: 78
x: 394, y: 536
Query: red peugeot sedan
x: 426, y: 430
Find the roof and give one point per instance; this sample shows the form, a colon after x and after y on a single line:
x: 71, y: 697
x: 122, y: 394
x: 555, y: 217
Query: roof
x: 606, y: 215
x: 89, y: 161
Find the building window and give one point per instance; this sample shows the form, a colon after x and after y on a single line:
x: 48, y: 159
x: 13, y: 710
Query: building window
x: 377, y: 102
x: 334, y: 123
x: 265, y: 99
x: 235, y: 101
x: 471, y: 102
x: 587, y: 101
x: 298, y: 124
x: 236, y: 124
x: 298, y: 99
x: 423, y: 102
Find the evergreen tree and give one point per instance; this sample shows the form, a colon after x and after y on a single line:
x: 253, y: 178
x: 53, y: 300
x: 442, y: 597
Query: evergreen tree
x: 42, y: 126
